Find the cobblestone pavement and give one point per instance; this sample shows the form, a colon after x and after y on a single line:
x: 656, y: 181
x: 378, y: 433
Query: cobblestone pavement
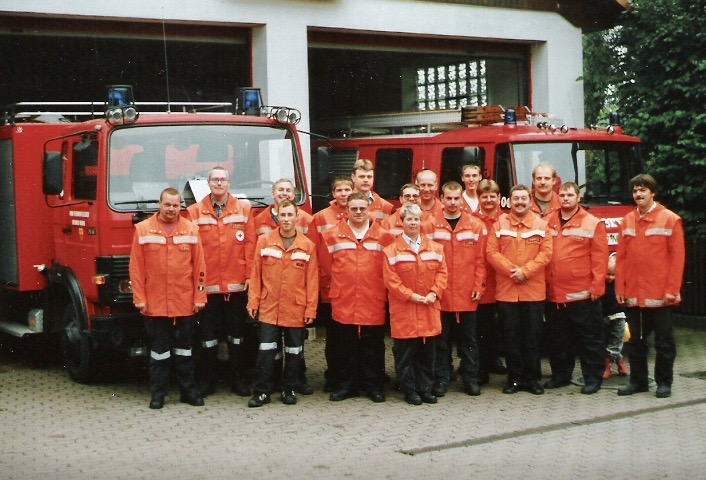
x: 53, y: 428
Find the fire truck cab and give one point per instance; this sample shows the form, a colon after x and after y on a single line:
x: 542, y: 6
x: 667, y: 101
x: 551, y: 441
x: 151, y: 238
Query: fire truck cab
x: 75, y: 178
x: 506, y: 145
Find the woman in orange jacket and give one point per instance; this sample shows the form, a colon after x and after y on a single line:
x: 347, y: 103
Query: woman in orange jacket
x: 415, y: 275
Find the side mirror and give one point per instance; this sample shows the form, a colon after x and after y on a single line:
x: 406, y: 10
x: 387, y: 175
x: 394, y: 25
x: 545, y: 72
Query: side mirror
x: 53, y: 173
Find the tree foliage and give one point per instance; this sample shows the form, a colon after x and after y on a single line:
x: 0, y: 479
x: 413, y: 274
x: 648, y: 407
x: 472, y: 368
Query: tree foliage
x: 656, y: 75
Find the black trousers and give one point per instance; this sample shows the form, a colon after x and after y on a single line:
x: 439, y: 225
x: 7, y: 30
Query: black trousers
x: 171, y: 336
x: 270, y: 336
x: 414, y: 363
x: 522, y: 328
x: 358, y: 351
x: 642, y: 322
x: 576, y: 328
x: 223, y: 318
x: 462, y: 327
x: 489, y: 336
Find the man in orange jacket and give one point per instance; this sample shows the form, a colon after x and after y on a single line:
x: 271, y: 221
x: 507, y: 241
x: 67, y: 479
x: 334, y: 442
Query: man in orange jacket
x: 227, y: 232
x: 519, y: 249
x: 463, y: 237
x: 471, y: 176
x: 363, y: 177
x: 167, y: 274
x: 488, y: 325
x: 544, y: 199
x: 325, y: 220
x: 575, y: 283
x: 428, y: 184
x: 353, y: 260
x: 648, y: 280
x: 415, y: 275
x: 283, y: 294
x: 409, y: 195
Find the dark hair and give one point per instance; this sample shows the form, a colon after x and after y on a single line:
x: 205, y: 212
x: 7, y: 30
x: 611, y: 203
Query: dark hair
x: 644, y: 180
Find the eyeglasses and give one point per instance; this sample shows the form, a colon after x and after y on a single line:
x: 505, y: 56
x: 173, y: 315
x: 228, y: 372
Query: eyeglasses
x: 408, y: 196
x: 218, y: 180
x: 358, y: 209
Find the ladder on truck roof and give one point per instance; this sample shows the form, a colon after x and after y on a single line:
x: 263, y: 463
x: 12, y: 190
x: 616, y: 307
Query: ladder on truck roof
x: 60, y: 112
x: 421, y: 122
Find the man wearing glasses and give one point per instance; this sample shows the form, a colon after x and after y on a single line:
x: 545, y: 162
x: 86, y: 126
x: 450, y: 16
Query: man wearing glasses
x: 227, y: 231
x: 409, y: 195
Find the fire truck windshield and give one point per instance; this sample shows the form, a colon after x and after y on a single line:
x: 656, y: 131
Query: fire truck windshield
x: 144, y: 160
x: 601, y: 169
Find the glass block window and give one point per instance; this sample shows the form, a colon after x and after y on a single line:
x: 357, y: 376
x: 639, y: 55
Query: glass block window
x: 452, y: 86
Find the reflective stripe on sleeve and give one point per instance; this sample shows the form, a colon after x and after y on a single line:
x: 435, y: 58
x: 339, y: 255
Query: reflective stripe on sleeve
x: 263, y: 230
x: 629, y: 232
x: 372, y: 246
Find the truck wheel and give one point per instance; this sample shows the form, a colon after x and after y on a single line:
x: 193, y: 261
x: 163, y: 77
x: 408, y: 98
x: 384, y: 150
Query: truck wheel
x: 76, y: 350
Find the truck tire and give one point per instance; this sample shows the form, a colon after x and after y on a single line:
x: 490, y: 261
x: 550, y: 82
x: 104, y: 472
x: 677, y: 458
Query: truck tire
x: 77, y: 352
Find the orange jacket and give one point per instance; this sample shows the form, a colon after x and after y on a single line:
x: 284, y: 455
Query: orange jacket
x: 167, y: 271
x: 464, y: 250
x: 436, y: 207
x: 355, y: 268
x: 393, y: 224
x: 488, y: 221
x: 553, y: 206
x: 650, y: 261
x: 405, y: 273
x: 284, y: 284
x: 322, y: 221
x: 579, y: 261
x: 228, y: 243
x: 264, y: 223
x: 526, y: 244
x: 380, y: 208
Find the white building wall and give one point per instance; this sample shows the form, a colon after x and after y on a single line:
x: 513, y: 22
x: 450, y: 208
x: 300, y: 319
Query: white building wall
x: 280, y: 37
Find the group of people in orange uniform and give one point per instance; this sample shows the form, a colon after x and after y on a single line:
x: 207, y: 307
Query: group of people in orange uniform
x: 440, y: 272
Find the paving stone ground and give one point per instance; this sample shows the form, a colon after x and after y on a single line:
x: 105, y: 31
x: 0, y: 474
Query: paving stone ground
x: 53, y: 428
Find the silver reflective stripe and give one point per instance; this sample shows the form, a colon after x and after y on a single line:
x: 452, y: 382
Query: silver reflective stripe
x: 554, y: 233
x: 179, y: 239
x: 268, y: 346
x: 304, y: 230
x: 236, y: 287
x: 341, y: 246
x: 278, y: 355
x: 182, y: 352
x: 263, y: 230
x: 651, y: 302
x: 323, y: 228
x: 209, y: 343
x: 293, y: 350
x: 578, y: 295
x: 379, y: 214
x: 532, y: 233
x: 372, y: 246
x: 662, y: 232
x: 505, y: 233
x: 427, y: 256
x: 205, y: 221
x: 402, y: 258
x: 271, y: 252
x: 631, y: 302
x: 461, y: 236
x: 441, y: 235
x: 576, y: 232
x: 160, y: 356
x: 629, y: 232
x: 301, y: 256
x: 235, y: 340
x: 213, y: 288
x: 396, y: 232
x: 153, y: 239
x: 235, y: 219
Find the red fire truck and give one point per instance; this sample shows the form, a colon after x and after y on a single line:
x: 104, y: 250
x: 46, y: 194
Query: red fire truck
x: 506, y: 145
x: 75, y: 178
